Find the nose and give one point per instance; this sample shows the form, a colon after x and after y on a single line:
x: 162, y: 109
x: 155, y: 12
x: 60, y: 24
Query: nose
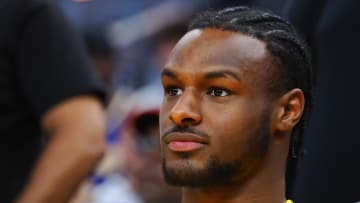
x: 186, y: 111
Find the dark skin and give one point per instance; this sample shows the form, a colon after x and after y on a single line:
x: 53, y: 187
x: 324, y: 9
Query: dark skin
x: 214, y: 85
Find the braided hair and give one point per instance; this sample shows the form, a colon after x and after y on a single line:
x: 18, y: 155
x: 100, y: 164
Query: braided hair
x: 289, y: 54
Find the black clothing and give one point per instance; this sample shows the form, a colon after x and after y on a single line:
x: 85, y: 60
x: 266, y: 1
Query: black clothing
x: 42, y: 62
x: 330, y: 170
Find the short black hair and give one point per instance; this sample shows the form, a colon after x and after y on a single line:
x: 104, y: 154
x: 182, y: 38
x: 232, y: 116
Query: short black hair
x: 289, y: 54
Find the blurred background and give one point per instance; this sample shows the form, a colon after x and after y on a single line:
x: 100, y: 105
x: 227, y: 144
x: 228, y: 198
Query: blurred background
x: 129, y: 42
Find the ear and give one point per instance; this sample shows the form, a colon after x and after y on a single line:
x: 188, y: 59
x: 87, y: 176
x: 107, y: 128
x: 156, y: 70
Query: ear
x: 289, y: 110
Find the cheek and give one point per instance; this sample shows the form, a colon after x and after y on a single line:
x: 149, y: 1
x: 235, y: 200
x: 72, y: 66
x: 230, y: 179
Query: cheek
x: 232, y: 118
x: 230, y: 144
x: 164, y: 116
x: 231, y: 129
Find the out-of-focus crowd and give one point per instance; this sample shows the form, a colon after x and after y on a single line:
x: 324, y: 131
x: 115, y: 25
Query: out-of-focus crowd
x: 129, y: 42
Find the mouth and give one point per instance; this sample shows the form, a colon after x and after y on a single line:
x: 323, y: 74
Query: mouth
x: 185, y: 142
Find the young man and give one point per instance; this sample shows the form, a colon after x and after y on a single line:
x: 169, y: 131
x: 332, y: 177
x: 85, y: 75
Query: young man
x: 235, y: 90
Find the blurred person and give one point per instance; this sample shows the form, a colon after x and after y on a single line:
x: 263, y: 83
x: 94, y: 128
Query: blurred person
x: 330, y: 171
x: 131, y: 170
x: 237, y: 96
x: 108, y: 183
x: 52, y: 118
x: 142, y: 150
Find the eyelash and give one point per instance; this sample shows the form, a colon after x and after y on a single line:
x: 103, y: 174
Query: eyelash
x: 168, y: 90
x: 212, y: 90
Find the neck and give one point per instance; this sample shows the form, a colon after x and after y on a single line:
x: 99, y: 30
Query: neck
x: 233, y: 194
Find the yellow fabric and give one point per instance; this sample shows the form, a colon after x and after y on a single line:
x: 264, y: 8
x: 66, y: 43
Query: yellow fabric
x: 289, y: 201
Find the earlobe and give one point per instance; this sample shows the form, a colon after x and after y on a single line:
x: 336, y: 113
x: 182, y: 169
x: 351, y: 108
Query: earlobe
x: 291, y: 107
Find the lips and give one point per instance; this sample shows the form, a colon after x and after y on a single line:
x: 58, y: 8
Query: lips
x: 181, y: 146
x: 185, y: 142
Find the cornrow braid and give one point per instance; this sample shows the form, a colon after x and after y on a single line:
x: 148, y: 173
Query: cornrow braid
x: 289, y: 54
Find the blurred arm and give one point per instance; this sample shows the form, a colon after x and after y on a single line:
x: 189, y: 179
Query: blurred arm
x: 76, y: 128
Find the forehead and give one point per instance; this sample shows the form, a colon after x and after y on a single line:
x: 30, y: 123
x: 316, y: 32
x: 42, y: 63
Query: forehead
x: 214, y: 47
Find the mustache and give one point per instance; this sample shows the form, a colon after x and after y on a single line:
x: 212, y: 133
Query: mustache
x: 185, y: 129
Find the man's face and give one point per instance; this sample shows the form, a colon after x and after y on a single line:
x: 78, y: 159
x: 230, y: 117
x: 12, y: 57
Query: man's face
x: 215, y: 117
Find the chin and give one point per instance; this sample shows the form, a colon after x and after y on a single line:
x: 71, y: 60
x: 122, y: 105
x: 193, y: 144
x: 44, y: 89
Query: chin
x: 198, y: 174
x: 180, y: 173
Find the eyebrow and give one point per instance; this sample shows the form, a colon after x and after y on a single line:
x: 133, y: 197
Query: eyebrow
x: 209, y: 75
x: 221, y: 74
x: 168, y: 73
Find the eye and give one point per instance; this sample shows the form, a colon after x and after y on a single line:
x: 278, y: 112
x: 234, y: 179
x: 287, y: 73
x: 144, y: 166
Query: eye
x: 218, y: 92
x: 173, y: 91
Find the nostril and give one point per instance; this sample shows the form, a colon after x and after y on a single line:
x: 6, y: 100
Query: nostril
x: 188, y: 120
